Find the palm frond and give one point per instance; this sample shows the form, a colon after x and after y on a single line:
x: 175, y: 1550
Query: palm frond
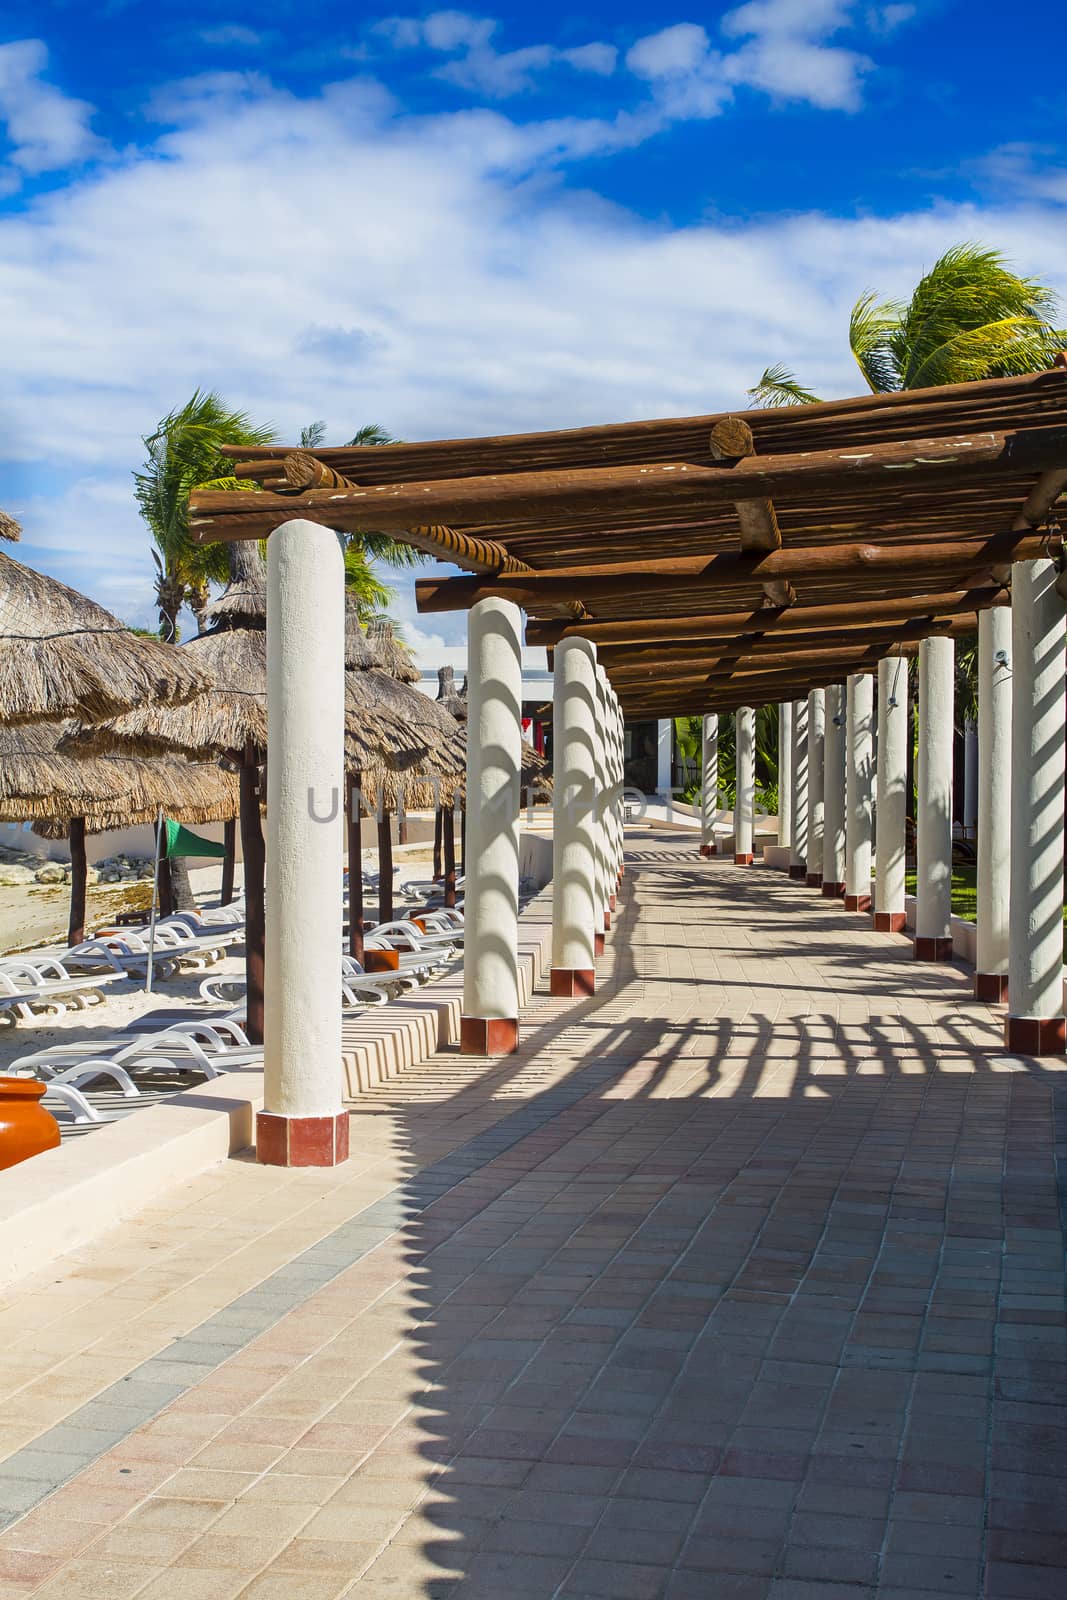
x: 312, y: 436
x: 370, y: 593
x: 372, y: 433
x: 871, y: 327
x: 970, y: 288
x: 779, y: 387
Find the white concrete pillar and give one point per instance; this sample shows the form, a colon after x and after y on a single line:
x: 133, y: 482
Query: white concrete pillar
x: 1035, y: 1021
x: 745, y: 785
x: 833, y: 817
x: 933, y: 845
x: 606, y: 871
x: 798, y: 854
x: 619, y: 782
x: 574, y: 818
x: 785, y: 775
x: 816, y: 800
x: 303, y: 1123
x: 994, y: 804
x: 612, y: 802
x: 892, y: 796
x: 709, y: 784
x: 664, y: 756
x: 489, y: 1025
x: 859, y: 791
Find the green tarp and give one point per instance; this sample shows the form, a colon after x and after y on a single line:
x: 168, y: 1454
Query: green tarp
x: 178, y: 841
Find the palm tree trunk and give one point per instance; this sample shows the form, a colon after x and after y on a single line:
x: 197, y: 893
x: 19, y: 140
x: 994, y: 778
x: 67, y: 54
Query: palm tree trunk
x: 78, y: 874
x: 448, y: 819
x: 181, y: 885
x: 438, y: 821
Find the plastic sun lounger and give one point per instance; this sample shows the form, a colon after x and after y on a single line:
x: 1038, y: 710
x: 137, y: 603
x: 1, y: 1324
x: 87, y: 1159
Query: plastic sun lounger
x: 401, y: 932
x: 23, y: 995
x: 174, y: 1049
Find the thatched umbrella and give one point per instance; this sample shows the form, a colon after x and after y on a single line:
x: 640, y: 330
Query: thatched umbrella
x: 68, y: 797
x: 64, y: 656
x: 9, y: 528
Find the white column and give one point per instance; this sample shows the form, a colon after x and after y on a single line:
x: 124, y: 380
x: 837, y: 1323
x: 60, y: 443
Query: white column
x: 833, y: 818
x: 613, y: 821
x: 605, y: 872
x: 859, y: 787
x: 892, y: 785
x: 303, y: 1122
x: 709, y: 784
x: 785, y: 774
x: 574, y: 712
x: 933, y: 845
x: 1035, y: 1021
x: 664, y: 754
x: 798, y: 854
x: 994, y: 803
x: 489, y: 1023
x: 745, y: 786
x: 816, y: 802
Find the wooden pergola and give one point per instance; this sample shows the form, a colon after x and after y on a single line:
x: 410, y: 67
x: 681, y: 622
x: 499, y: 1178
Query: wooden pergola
x: 715, y: 561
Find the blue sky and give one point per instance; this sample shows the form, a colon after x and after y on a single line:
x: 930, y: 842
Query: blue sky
x: 462, y: 222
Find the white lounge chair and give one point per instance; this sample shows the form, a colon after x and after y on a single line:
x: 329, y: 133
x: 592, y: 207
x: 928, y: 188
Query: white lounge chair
x: 24, y: 993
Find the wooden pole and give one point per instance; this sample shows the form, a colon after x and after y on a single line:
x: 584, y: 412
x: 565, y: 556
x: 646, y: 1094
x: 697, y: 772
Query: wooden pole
x: 252, y: 848
x: 651, y: 489
x: 78, y: 876
x: 385, y: 868
x: 438, y: 825
x: 637, y: 631
x: 448, y: 840
x: 355, y: 868
x: 229, y: 860
x: 730, y: 573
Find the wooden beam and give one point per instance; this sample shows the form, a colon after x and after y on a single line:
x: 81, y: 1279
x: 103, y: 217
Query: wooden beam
x: 656, y: 487
x: 674, y: 630
x: 628, y: 658
x: 732, y: 440
x: 725, y: 574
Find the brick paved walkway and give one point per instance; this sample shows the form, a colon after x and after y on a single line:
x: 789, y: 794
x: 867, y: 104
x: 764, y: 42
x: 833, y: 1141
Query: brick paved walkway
x: 742, y: 1280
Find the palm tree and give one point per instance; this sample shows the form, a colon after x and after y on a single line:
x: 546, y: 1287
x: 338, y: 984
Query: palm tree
x: 184, y: 453
x: 970, y: 317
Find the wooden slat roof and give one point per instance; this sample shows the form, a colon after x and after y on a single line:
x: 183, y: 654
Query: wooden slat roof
x: 872, y: 503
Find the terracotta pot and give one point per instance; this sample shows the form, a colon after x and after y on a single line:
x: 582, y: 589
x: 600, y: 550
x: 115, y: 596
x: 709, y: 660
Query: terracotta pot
x: 26, y: 1128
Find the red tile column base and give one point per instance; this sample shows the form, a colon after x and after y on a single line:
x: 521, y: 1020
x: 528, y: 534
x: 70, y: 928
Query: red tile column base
x: 567, y: 983
x: 857, y: 902
x: 607, y: 921
x: 927, y: 949
x: 598, y: 944
x: 1036, y: 1036
x: 488, y: 1036
x: 798, y: 872
x: 890, y: 921
x: 742, y: 860
x: 611, y: 902
x: 709, y: 850
x: 814, y: 880
x: 992, y: 987
x: 832, y: 891
x: 283, y: 1141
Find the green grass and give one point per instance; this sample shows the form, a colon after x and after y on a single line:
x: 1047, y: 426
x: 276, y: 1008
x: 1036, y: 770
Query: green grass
x: 965, y: 896
x: 964, y: 891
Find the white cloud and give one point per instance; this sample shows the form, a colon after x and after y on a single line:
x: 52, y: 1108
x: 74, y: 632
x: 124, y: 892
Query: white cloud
x: 478, y: 65
x: 47, y: 130
x: 231, y: 33
x: 356, y: 264
x: 1023, y: 169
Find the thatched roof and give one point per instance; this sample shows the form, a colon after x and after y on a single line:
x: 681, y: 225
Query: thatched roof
x: 62, y: 655
x: 39, y: 781
x: 9, y: 528
x: 394, y: 656
x: 244, y: 599
x: 191, y: 793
